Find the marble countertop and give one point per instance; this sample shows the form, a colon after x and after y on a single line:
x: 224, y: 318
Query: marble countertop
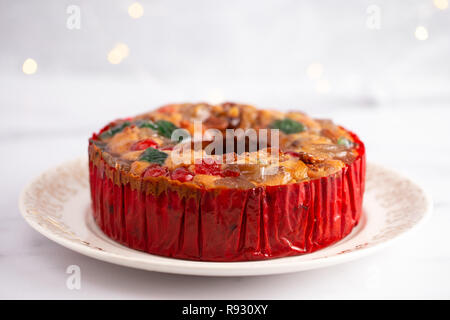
x: 413, y: 140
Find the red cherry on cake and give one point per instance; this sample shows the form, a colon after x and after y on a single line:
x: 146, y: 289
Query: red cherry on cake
x: 143, y: 144
x: 156, y: 171
x: 182, y: 174
x: 230, y: 173
x: 293, y: 154
x: 208, y: 166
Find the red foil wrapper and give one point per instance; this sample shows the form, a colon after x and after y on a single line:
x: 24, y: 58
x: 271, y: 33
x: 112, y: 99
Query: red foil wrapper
x: 174, y: 220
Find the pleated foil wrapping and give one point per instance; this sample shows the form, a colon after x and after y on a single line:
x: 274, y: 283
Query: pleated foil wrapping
x: 180, y: 221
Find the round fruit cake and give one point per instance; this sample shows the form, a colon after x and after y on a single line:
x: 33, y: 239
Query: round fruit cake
x: 285, y: 184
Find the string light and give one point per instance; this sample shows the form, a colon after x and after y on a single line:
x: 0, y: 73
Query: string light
x: 441, y: 4
x: 421, y: 33
x: 118, y: 53
x: 314, y: 71
x: 136, y: 10
x: 29, y: 66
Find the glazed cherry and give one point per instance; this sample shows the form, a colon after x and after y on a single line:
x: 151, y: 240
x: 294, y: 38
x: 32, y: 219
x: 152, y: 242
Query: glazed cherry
x: 293, y: 154
x: 208, y: 166
x: 182, y: 174
x: 230, y: 173
x: 156, y: 171
x: 143, y: 144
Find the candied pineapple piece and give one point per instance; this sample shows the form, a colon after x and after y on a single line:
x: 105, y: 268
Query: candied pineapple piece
x: 325, y: 168
x: 233, y: 112
x: 214, y: 122
x: 205, y: 180
x: 297, y: 169
x: 266, y: 117
x: 274, y: 176
x: 176, y: 118
x: 133, y: 155
x: 250, y: 171
x: 183, y: 154
x: 122, y: 141
x: 189, y: 126
x: 263, y: 174
x: 234, y: 183
x: 304, y: 119
x: 145, y: 133
x: 331, y: 151
x: 247, y: 116
x: 138, y: 167
x: 217, y: 109
x: 298, y: 140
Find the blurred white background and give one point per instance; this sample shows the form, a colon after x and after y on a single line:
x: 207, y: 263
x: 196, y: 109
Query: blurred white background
x: 362, y: 54
x: 379, y: 67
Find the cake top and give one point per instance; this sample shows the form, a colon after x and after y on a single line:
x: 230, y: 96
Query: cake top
x: 227, y: 145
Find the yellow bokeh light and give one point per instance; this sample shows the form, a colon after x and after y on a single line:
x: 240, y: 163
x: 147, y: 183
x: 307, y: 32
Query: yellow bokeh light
x: 114, y: 57
x: 123, y: 49
x: 136, y: 10
x: 322, y: 86
x: 314, y: 71
x: 29, y: 66
x: 421, y: 33
x: 118, y: 53
x: 441, y: 4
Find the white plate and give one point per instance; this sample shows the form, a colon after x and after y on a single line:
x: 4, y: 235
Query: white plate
x: 57, y: 204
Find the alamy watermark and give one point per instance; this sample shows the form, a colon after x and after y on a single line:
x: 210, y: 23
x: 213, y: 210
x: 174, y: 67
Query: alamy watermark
x: 373, y: 20
x: 73, y: 282
x: 73, y: 21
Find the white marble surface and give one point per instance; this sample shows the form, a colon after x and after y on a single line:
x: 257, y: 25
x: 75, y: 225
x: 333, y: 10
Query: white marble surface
x: 412, y: 140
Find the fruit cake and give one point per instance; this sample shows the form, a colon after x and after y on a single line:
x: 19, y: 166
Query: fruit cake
x: 293, y: 190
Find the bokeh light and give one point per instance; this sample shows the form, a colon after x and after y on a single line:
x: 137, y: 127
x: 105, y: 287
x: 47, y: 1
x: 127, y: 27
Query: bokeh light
x: 421, y: 33
x: 322, y: 86
x: 118, y: 53
x: 29, y: 66
x: 441, y: 4
x: 114, y: 57
x: 136, y: 10
x: 314, y: 71
x: 123, y: 49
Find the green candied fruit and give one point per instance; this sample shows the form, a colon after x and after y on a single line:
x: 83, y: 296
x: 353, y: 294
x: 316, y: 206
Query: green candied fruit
x: 288, y: 126
x: 345, y: 142
x: 146, y: 124
x: 163, y: 127
x: 153, y: 155
x: 113, y: 130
